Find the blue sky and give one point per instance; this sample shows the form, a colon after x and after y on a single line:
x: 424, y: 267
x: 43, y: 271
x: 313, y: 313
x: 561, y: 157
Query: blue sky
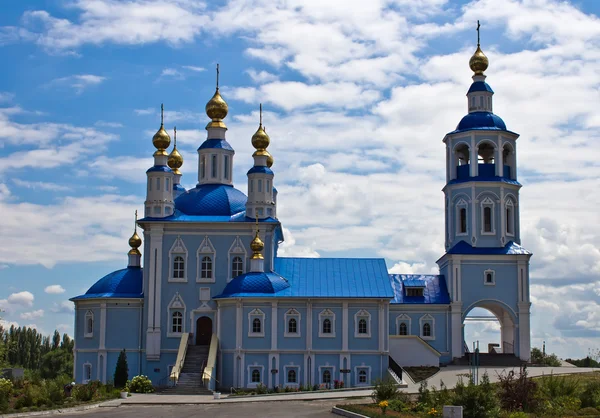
x: 357, y: 96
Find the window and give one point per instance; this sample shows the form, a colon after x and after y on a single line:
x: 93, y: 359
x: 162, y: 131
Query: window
x: 213, y: 168
x: 481, y: 101
x: 461, y: 218
x: 150, y: 186
x: 472, y: 101
x: 463, y: 221
x: 326, y: 376
x: 260, y: 186
x: 168, y: 183
x: 237, y: 266
x: 203, y: 166
x: 403, y: 323
x: 89, y: 324
x: 157, y: 210
x: 177, y: 322
x: 427, y: 324
x: 487, y: 219
x: 489, y: 277
x: 206, y: 268
x: 255, y: 376
x: 403, y: 329
x: 178, y: 267
x: 157, y: 184
x: 87, y: 372
x: 292, y: 326
x: 510, y: 219
x: 362, y: 376
x: 226, y: 166
x: 362, y: 327
x: 291, y: 376
x: 268, y: 187
x: 256, y: 326
x: 326, y: 324
x: 251, y: 186
x: 426, y: 330
x: 269, y: 211
x: 292, y: 319
x: 487, y: 206
x: 414, y: 291
x: 259, y: 211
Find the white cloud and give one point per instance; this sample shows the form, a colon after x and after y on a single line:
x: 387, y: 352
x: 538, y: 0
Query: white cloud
x: 78, y: 82
x: 54, y: 289
x: 32, y: 315
x: 261, y: 76
x: 41, y: 185
x: 145, y: 112
x: 21, y: 299
x: 172, y: 73
x: 65, y: 307
x: 194, y: 68
x: 104, y: 124
x: 6, y: 96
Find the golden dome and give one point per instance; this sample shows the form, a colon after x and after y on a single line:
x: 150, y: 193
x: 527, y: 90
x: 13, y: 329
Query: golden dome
x: 216, y: 108
x: 135, y: 241
x: 260, y: 140
x: 161, y: 139
x: 269, y: 160
x: 175, y: 160
x: 478, y: 62
x: 257, y: 246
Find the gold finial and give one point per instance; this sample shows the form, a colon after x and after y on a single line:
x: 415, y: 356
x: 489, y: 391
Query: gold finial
x: 257, y: 245
x: 162, y: 114
x: 175, y: 160
x: 161, y: 139
x: 478, y: 62
x: 260, y: 140
x: 135, y: 241
x: 216, y: 108
x: 218, y: 71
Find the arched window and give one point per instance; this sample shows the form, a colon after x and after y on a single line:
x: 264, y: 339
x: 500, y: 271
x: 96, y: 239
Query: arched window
x: 226, y: 166
x: 326, y: 376
x: 206, y: 268
x: 426, y: 330
x: 260, y: 186
x: 463, y: 220
x: 178, y: 267
x: 176, y: 322
x: 403, y: 329
x: 256, y: 326
x: 487, y: 219
x: 292, y: 326
x: 203, y: 166
x: 255, y: 376
x: 237, y: 266
x: 327, y: 326
x: 362, y: 326
x: 362, y: 376
x: 291, y: 376
x: 89, y: 323
x: 213, y: 168
x: 510, y: 219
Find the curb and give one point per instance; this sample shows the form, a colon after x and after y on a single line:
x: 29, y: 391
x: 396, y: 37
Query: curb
x: 62, y: 410
x: 344, y: 413
x: 232, y: 401
x: 300, y: 392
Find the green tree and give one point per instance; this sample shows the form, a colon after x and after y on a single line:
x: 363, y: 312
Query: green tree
x: 55, y: 340
x: 56, y: 363
x: 121, y: 371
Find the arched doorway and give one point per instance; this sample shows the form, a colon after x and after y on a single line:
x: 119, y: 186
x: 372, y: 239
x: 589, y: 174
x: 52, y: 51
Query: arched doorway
x: 492, y: 325
x: 203, y: 330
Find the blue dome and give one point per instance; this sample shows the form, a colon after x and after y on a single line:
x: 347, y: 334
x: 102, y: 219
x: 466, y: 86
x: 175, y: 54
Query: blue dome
x: 216, y: 143
x: 161, y: 168
x: 260, y: 169
x: 480, y: 86
x: 125, y: 283
x: 481, y: 120
x: 255, y: 283
x: 211, y: 200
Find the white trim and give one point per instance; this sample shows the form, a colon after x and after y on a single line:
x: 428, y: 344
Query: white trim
x: 237, y: 249
x: 87, y: 334
x: 487, y: 202
x: 323, y: 315
x: 286, y: 369
x: 462, y: 204
x: 292, y: 314
x: 429, y: 320
x: 256, y: 313
x: 358, y: 369
x: 206, y: 248
x: 406, y: 319
x: 253, y: 367
x: 83, y: 377
x: 493, y: 273
x: 178, y: 249
x: 362, y: 314
x: 176, y: 305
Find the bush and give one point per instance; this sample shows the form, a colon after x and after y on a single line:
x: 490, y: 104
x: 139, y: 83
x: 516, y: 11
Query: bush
x: 261, y: 389
x: 478, y: 401
x: 385, y: 390
x: 85, y: 393
x: 121, y: 371
x: 142, y: 384
x: 538, y: 357
x: 6, y: 388
x: 559, y: 386
x: 399, y: 405
x: 518, y: 393
x: 590, y: 397
x: 589, y: 412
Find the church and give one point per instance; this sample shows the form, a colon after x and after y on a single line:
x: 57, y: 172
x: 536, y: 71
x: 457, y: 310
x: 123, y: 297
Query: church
x: 215, y: 305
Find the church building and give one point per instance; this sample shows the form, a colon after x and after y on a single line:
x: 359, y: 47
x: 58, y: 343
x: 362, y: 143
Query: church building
x: 215, y: 304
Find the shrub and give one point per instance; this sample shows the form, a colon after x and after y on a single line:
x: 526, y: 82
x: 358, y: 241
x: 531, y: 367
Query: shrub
x: 519, y: 414
x: 590, y: 397
x: 399, y: 405
x: 478, y: 401
x: 121, y: 371
x: 518, y: 393
x: 261, y: 389
x: 538, y: 357
x: 6, y: 388
x: 384, y: 390
x: 85, y: 393
x: 589, y: 412
x: 26, y: 399
x: 557, y: 386
x: 142, y: 384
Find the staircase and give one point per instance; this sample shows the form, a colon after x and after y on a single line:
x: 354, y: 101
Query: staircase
x: 190, y: 378
x: 491, y: 360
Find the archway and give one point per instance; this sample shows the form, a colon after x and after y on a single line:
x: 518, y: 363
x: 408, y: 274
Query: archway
x: 203, y: 330
x: 492, y: 325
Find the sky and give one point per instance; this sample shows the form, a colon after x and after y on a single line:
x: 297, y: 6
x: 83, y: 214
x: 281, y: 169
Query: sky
x: 357, y: 98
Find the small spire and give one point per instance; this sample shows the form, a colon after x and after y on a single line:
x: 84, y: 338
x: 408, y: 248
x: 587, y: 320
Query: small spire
x: 135, y: 222
x: 217, y: 76
x: 478, y: 26
x: 260, y: 112
x: 162, y: 114
x: 174, y: 137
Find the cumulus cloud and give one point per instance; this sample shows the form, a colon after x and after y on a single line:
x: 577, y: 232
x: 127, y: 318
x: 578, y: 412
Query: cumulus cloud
x: 78, y: 82
x: 54, y: 289
x: 32, y: 315
x: 65, y: 307
x: 23, y: 299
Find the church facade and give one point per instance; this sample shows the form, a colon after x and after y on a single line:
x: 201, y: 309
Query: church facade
x: 212, y: 276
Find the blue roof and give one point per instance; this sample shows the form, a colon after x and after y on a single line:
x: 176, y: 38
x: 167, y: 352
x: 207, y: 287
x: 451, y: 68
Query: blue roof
x: 216, y: 143
x: 260, y: 169
x: 435, y: 291
x: 178, y: 187
x: 125, y: 283
x: 511, y: 248
x: 329, y: 278
x: 480, y: 121
x: 255, y: 284
x: 486, y: 178
x: 415, y: 283
x: 480, y: 86
x: 211, y: 200
x: 162, y: 168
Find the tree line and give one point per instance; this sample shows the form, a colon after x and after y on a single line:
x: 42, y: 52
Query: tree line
x: 27, y: 348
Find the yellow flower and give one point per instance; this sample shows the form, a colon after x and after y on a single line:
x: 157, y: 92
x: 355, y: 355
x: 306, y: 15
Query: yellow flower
x: 383, y: 404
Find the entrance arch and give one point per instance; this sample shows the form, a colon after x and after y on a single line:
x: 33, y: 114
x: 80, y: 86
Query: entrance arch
x: 203, y: 330
x: 501, y: 321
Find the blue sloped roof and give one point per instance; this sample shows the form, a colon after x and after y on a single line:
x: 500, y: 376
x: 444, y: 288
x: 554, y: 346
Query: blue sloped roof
x: 435, y: 292
x: 480, y: 86
x: 125, y: 283
x: 329, y: 278
x: 178, y: 216
x: 415, y: 283
x: 480, y: 121
x: 211, y: 200
x: 216, y: 143
x: 260, y: 169
x: 485, y: 178
x: 511, y: 248
x: 255, y: 283
x: 162, y: 168
x: 178, y: 188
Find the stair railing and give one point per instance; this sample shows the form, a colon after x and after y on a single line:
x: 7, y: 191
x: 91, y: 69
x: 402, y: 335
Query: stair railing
x: 181, y: 353
x: 508, y: 348
x: 209, y: 373
x: 395, y: 367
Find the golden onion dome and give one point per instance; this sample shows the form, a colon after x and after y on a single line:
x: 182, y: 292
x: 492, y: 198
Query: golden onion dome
x: 135, y: 241
x: 257, y: 246
x: 260, y: 140
x: 175, y: 160
x: 478, y: 62
x: 217, y: 108
x: 269, y: 160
